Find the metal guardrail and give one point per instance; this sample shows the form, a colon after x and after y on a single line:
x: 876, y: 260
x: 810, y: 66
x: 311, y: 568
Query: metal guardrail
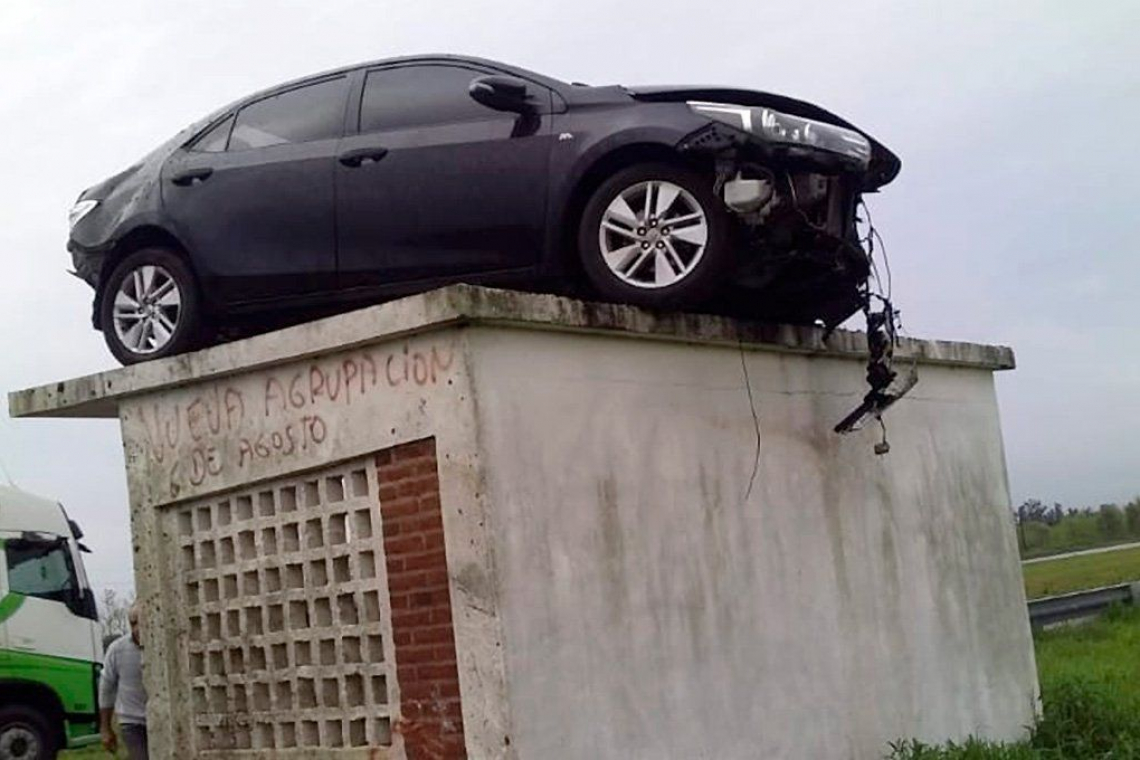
x: 1081, y: 604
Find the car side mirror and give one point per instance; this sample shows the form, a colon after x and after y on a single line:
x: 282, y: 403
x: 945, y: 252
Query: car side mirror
x: 502, y: 93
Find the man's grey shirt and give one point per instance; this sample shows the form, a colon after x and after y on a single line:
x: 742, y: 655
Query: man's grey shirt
x: 121, y: 685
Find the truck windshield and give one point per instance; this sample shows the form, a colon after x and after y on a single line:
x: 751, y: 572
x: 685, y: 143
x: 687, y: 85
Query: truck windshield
x: 41, y: 569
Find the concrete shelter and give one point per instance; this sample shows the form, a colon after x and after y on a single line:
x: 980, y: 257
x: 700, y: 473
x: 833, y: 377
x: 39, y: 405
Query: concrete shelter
x: 497, y: 525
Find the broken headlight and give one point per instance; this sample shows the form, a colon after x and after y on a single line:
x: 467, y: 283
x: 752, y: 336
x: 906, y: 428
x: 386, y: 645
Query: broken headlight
x: 778, y: 127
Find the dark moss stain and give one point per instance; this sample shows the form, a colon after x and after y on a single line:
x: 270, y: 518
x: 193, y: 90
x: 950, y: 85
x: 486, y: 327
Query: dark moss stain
x: 613, y: 548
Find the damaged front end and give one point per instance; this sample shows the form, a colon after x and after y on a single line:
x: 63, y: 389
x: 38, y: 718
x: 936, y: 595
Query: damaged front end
x: 795, y: 179
x: 795, y: 183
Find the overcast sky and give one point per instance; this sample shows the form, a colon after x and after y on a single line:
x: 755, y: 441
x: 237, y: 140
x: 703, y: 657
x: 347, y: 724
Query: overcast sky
x: 1014, y: 219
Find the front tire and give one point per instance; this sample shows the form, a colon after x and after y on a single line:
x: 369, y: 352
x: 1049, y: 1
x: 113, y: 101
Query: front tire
x: 25, y: 735
x: 655, y: 235
x: 150, y: 307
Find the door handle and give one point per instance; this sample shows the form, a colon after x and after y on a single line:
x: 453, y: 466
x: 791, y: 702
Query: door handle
x: 190, y: 176
x: 354, y: 158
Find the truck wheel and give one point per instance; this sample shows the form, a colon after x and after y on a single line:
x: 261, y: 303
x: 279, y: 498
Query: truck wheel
x: 25, y: 735
x: 656, y: 235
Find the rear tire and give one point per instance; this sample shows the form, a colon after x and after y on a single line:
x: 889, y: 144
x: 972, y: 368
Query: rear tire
x: 150, y: 307
x: 655, y: 235
x: 25, y: 735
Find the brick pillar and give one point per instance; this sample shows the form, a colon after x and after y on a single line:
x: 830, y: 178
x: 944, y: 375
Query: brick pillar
x: 431, y: 719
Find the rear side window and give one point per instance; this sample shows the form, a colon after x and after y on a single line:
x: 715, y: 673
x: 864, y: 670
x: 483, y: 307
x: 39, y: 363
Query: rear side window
x: 216, y: 139
x: 40, y: 569
x: 416, y: 96
x: 313, y: 112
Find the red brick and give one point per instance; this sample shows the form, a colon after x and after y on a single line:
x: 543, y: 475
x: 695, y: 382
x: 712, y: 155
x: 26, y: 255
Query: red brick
x: 433, y: 634
x: 437, y: 673
x: 418, y: 588
x: 407, y: 544
x: 402, y: 506
x: 407, y: 488
x: 424, y: 447
x: 425, y: 561
x: 416, y: 523
x: 406, y: 582
x: 415, y: 691
x: 439, y: 598
x: 446, y: 689
x: 426, y: 467
x: 436, y: 578
x: 410, y: 620
x: 414, y: 654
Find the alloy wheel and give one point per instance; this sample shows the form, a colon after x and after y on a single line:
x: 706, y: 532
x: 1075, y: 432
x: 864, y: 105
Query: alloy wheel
x: 147, y: 307
x: 653, y: 234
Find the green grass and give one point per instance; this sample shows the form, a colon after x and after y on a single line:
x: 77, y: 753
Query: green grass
x: 1090, y: 690
x: 1060, y: 576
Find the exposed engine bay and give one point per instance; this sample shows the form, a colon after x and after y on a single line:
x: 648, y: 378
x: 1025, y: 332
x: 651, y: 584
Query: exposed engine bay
x: 804, y: 256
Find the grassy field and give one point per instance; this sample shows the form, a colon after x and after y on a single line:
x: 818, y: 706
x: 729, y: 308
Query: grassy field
x: 1060, y: 576
x: 1090, y: 692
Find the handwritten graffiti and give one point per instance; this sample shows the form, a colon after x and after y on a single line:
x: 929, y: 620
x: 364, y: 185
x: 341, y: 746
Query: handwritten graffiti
x: 310, y: 431
x: 276, y: 416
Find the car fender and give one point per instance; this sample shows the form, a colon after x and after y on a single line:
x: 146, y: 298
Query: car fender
x: 577, y: 161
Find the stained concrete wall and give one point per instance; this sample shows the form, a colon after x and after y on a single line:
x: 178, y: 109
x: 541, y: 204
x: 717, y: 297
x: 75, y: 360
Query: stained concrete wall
x: 659, y: 601
x: 619, y: 583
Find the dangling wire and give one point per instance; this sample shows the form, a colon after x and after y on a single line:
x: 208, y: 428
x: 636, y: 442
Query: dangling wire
x: 755, y: 423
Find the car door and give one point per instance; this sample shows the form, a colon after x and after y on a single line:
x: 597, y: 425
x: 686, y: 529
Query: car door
x: 434, y: 184
x: 253, y: 197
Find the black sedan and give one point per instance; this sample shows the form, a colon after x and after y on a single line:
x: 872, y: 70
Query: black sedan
x: 392, y: 177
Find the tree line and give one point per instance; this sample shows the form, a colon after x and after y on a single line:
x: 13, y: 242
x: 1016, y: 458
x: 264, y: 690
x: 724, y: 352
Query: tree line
x: 1042, y: 529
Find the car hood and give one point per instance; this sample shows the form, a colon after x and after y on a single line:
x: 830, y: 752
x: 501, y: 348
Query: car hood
x: 885, y: 165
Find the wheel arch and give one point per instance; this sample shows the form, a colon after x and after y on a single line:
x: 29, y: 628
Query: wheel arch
x: 595, y: 173
x: 15, y: 692
x: 138, y: 238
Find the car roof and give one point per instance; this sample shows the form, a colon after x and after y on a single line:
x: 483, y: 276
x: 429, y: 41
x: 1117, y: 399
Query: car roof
x: 504, y: 68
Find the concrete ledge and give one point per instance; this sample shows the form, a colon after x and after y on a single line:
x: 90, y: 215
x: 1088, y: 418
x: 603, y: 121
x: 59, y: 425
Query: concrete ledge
x: 98, y: 395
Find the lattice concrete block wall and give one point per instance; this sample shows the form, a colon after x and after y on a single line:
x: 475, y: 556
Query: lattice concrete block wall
x: 287, y: 621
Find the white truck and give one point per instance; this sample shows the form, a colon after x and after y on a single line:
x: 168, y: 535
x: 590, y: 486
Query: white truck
x: 50, y: 644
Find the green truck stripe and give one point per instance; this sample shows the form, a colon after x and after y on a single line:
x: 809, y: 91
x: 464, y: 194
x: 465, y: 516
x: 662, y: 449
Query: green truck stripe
x: 73, y: 681
x: 9, y: 604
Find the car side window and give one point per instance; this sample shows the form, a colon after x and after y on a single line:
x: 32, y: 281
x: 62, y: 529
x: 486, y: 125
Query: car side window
x: 40, y: 569
x: 312, y: 112
x: 418, y: 96
x: 216, y: 139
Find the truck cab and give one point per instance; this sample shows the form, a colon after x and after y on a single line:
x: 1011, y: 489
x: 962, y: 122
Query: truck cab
x: 50, y: 644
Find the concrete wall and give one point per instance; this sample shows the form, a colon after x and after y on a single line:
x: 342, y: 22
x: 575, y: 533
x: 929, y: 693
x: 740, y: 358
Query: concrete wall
x: 545, y: 539
x: 652, y: 609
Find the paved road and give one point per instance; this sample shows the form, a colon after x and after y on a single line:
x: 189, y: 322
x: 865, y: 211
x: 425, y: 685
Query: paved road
x: 1100, y: 550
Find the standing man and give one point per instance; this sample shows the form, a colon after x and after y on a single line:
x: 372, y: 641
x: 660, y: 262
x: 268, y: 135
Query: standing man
x: 121, y: 692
